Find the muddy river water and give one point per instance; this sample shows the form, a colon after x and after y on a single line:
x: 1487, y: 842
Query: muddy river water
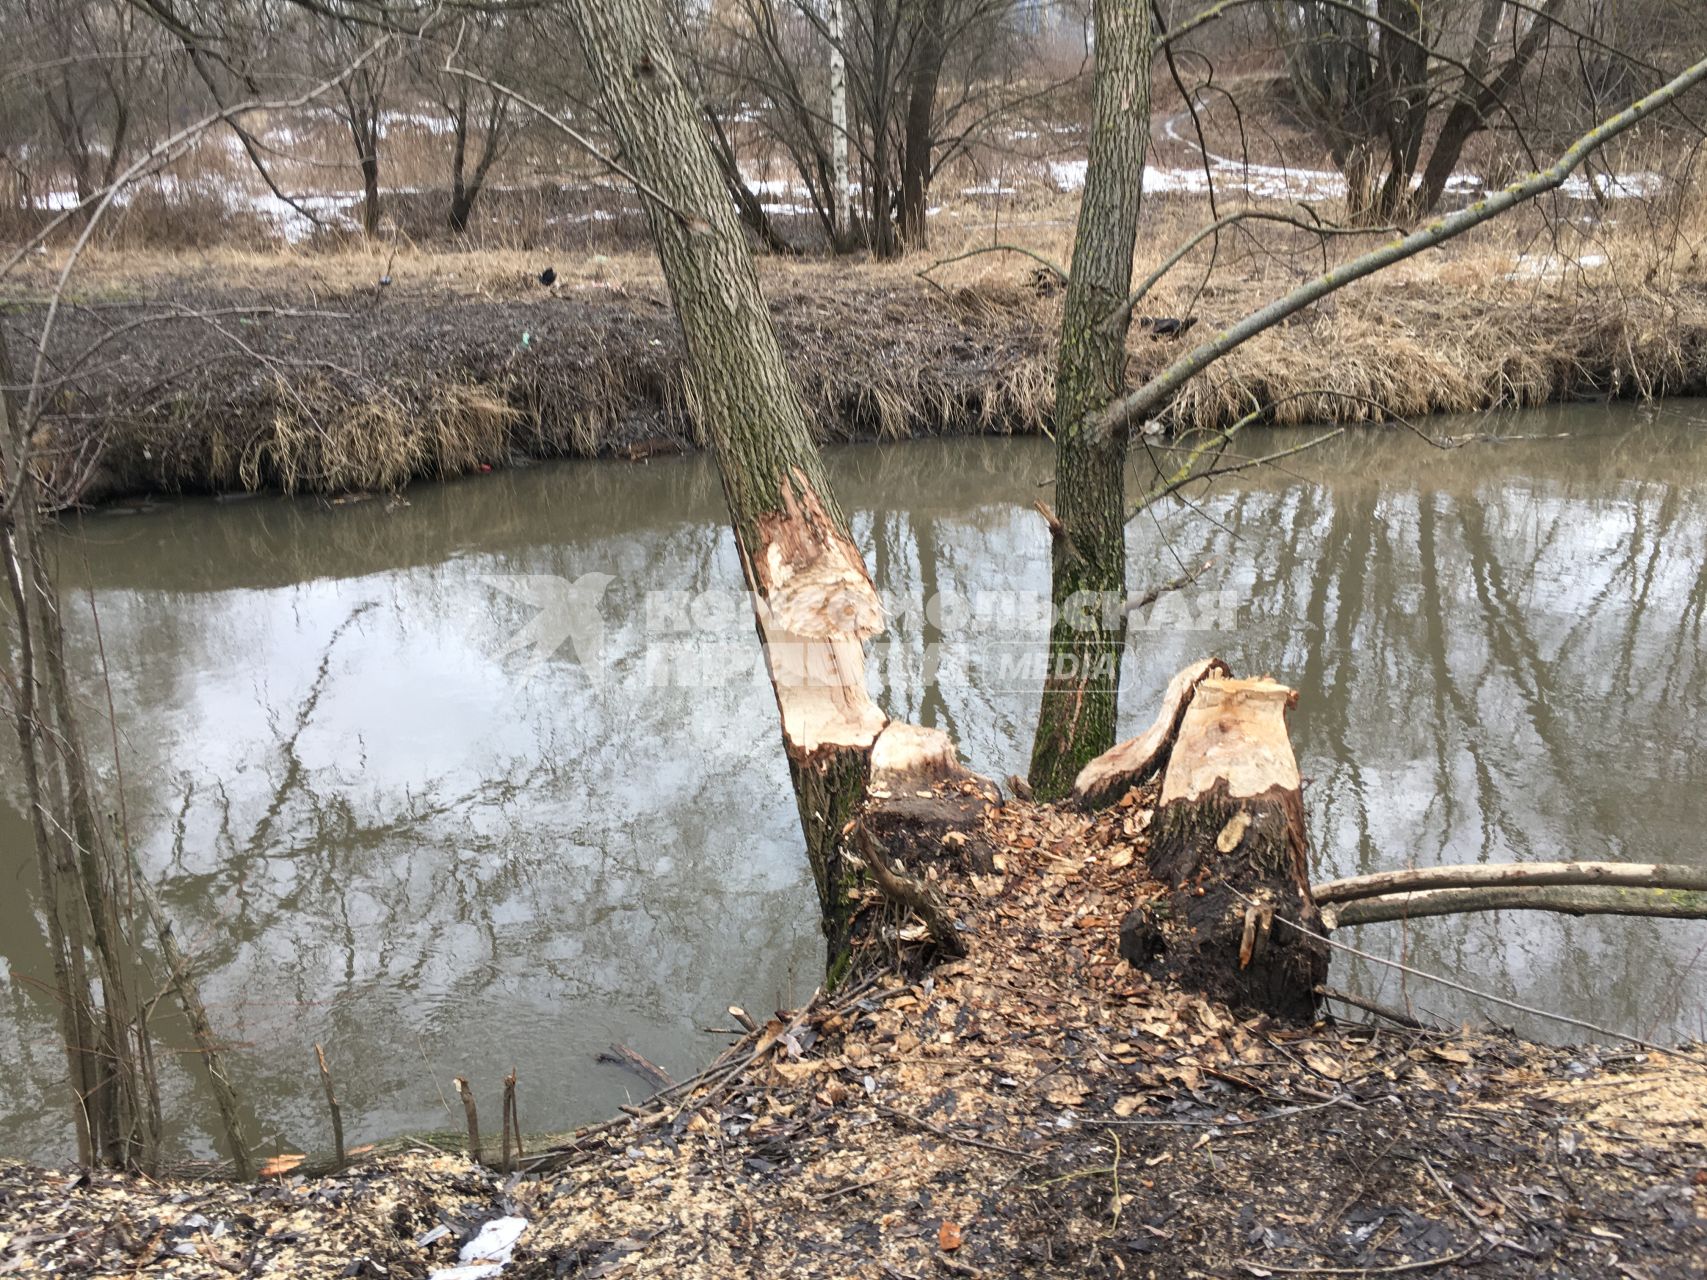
x: 484, y: 779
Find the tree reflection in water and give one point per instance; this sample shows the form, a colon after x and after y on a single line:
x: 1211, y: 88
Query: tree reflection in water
x: 376, y: 836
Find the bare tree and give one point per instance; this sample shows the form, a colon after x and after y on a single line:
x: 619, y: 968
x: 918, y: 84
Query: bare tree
x: 361, y: 100
x: 476, y: 113
x: 1376, y: 82
x: 814, y: 601
x: 86, y: 61
x: 1076, y: 720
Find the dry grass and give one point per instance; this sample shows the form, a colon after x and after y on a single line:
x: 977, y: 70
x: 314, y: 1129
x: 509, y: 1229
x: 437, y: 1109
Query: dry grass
x: 464, y: 360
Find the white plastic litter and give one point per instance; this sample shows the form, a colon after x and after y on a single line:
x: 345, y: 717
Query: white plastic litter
x: 486, y: 1254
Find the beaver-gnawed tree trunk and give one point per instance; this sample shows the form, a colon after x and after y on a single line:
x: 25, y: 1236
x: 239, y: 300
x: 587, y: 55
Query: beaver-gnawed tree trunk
x: 814, y: 602
x: 1228, y: 840
x: 1088, y: 584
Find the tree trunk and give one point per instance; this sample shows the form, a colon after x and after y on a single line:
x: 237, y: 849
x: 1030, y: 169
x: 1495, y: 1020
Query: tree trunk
x: 461, y: 202
x: 1470, y: 112
x: 1228, y: 840
x: 814, y: 602
x: 841, y: 194
x: 1088, y: 586
x: 747, y: 204
x: 1403, y: 68
x: 75, y: 995
x: 466, y: 188
x: 370, y: 192
x: 921, y: 115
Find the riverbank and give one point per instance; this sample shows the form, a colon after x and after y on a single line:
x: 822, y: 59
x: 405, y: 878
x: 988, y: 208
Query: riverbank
x: 305, y: 374
x: 1034, y: 1108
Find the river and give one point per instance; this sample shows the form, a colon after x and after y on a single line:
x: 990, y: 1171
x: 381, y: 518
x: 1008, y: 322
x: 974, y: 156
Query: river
x: 388, y: 823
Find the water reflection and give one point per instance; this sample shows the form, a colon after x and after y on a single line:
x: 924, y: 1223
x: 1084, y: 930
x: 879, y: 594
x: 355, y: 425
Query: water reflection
x: 378, y: 836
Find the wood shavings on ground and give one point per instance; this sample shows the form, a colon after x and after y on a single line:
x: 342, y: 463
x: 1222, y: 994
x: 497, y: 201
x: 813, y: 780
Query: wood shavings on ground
x: 1035, y: 1108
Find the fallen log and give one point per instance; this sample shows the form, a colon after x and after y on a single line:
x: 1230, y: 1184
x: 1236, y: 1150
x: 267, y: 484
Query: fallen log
x: 1634, y: 875
x: 1574, y: 900
x: 1229, y: 841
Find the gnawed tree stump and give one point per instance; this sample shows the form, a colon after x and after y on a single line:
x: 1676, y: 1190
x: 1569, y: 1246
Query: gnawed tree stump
x: 1229, y: 842
x: 1126, y: 764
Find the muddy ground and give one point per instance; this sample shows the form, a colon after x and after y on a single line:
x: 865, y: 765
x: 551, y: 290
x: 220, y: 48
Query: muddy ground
x: 1036, y: 1108
x: 198, y: 379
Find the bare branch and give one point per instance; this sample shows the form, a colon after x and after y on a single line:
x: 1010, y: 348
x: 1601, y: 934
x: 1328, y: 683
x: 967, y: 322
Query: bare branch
x: 1158, y: 390
x: 1636, y: 875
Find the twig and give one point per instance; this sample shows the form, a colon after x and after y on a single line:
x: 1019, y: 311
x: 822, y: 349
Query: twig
x: 924, y: 272
x: 1371, y: 1006
x: 468, y: 1110
x: 1471, y: 991
x: 948, y: 1135
x: 1422, y: 1264
x: 578, y: 138
x: 1285, y: 1113
x: 1159, y: 389
x: 512, y: 1122
x: 1121, y: 314
x: 332, y: 1106
x: 910, y: 893
x: 1172, y: 584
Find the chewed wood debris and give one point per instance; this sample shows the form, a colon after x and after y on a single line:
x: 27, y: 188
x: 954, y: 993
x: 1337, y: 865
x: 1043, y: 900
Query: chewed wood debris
x: 1034, y: 1108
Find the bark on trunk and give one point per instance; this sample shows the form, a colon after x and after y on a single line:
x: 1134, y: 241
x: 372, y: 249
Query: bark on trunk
x: 814, y: 603
x: 1228, y: 840
x: 921, y: 114
x: 370, y: 194
x: 1475, y: 103
x: 841, y: 194
x: 1088, y: 585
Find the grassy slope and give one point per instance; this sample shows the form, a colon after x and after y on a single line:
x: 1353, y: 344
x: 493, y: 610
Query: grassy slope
x: 465, y: 361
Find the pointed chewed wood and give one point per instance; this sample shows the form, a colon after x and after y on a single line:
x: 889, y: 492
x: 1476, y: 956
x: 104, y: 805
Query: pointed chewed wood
x: 1105, y: 779
x: 1238, y: 922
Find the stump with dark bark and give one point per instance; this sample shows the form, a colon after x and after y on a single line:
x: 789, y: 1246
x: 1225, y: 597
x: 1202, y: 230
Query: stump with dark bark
x: 1229, y: 843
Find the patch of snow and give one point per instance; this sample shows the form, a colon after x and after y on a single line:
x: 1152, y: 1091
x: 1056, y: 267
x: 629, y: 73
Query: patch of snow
x: 1549, y: 266
x: 1642, y: 185
x: 1069, y: 175
x: 435, y: 125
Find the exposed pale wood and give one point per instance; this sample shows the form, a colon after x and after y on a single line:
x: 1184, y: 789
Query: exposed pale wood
x: 1635, y: 875
x: 1108, y: 776
x: 1575, y: 900
x: 817, y: 607
x: 1228, y: 839
x: 1233, y: 734
x: 909, y: 754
